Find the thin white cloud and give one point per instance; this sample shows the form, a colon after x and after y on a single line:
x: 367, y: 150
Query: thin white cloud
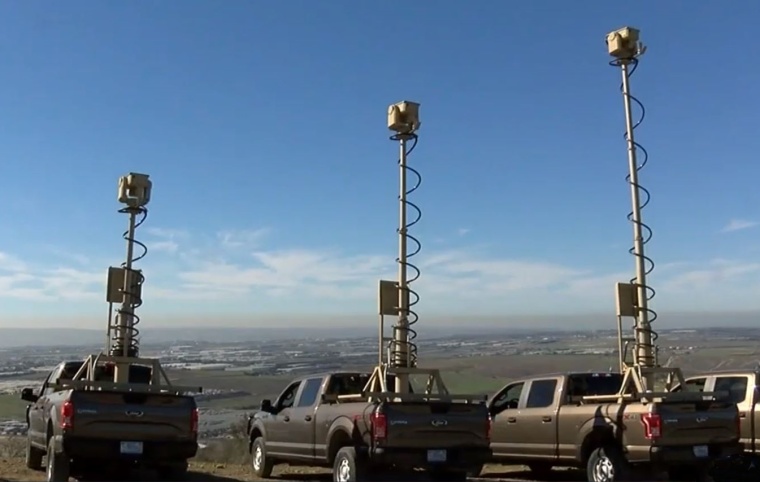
x: 470, y: 280
x: 11, y: 263
x: 164, y: 239
x: 167, y: 233
x: 237, y: 238
x: 463, y: 231
x: 738, y: 225
x: 166, y: 246
x: 56, y: 284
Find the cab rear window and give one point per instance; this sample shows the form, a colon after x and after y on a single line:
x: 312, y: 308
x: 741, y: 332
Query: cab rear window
x: 594, y: 384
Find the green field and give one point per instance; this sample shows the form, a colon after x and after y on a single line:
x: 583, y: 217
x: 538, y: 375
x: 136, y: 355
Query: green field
x: 466, y: 381
x: 12, y: 408
x: 467, y: 375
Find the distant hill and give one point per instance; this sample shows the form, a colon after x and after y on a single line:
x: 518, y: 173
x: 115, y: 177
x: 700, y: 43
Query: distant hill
x: 15, y: 337
x: 746, y: 323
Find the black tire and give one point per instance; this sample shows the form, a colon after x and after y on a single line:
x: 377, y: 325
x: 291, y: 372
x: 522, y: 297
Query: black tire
x: 173, y: 471
x: 607, y: 464
x: 475, y: 471
x: 33, y: 456
x: 689, y: 474
x: 347, y: 468
x: 58, y: 465
x: 541, y: 470
x: 262, y: 465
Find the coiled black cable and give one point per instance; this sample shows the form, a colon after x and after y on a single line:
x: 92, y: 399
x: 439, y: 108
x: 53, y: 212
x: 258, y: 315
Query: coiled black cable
x: 132, y: 292
x: 649, y: 359
x: 411, y: 295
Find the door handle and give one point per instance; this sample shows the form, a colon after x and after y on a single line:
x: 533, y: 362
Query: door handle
x: 307, y: 418
x: 512, y: 420
x: 546, y: 419
x: 742, y: 415
x: 286, y: 418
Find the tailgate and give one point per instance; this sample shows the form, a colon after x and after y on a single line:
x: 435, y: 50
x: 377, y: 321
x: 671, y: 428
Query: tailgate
x: 693, y: 423
x: 441, y: 424
x: 132, y: 416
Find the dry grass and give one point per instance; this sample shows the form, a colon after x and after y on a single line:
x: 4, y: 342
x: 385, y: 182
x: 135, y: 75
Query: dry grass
x: 12, y: 446
x: 232, y: 450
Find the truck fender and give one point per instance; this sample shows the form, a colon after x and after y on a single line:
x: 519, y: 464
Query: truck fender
x: 52, y: 421
x: 595, y: 432
x: 257, y: 430
x: 342, y: 433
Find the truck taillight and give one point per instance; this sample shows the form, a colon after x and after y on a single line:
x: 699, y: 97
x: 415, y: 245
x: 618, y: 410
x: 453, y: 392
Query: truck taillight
x: 379, y: 426
x: 489, y: 427
x: 194, y: 421
x: 652, y: 425
x: 67, y: 414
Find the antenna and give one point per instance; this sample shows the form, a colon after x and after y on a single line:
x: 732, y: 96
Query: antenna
x: 124, y: 287
x: 633, y: 297
x: 403, y: 118
x: 124, y: 282
x: 398, y: 359
x: 642, y: 374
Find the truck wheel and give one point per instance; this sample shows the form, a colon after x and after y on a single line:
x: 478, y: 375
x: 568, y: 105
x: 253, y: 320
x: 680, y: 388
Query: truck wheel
x: 475, y: 471
x: 347, y: 468
x: 33, y: 456
x: 607, y: 464
x: 58, y: 465
x: 262, y: 466
x: 175, y: 471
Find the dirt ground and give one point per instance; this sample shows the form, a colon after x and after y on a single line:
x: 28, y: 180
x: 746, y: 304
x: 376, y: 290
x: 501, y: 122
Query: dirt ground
x: 14, y: 470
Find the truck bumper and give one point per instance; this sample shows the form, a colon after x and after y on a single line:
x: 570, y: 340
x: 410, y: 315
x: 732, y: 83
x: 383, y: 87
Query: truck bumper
x: 682, y: 456
x: 458, y: 458
x: 153, y: 451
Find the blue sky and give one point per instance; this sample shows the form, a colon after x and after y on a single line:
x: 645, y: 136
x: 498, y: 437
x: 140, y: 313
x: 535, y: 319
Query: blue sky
x: 262, y: 125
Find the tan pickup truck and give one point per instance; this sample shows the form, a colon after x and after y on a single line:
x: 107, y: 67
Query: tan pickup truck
x: 543, y: 422
x: 310, y: 425
x: 742, y: 386
x: 86, y: 432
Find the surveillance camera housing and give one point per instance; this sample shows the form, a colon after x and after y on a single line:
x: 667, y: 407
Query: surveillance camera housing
x: 404, y: 117
x: 134, y: 190
x: 624, y: 43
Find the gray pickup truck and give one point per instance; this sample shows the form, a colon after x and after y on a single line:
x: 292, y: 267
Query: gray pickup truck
x: 310, y: 424
x: 81, y: 432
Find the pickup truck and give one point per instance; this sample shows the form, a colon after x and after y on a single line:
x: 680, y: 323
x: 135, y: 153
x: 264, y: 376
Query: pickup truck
x: 544, y: 422
x: 742, y: 386
x: 308, y: 424
x: 79, y: 431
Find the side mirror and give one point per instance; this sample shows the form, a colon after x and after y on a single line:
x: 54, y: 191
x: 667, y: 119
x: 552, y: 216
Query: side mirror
x: 266, y: 405
x: 27, y: 394
x: 329, y: 398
